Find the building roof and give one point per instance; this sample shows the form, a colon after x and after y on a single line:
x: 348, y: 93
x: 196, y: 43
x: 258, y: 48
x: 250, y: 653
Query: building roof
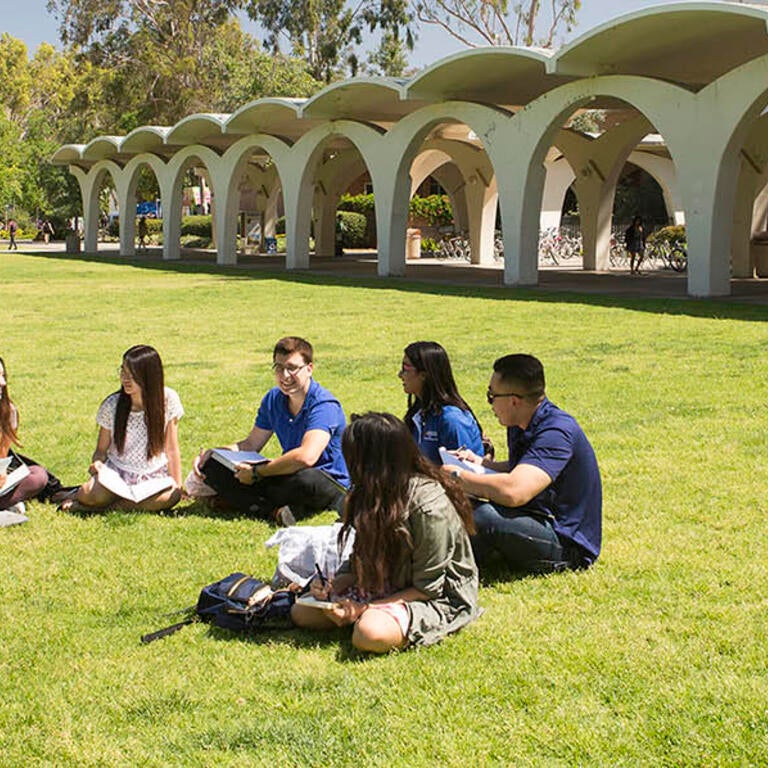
x: 690, y: 44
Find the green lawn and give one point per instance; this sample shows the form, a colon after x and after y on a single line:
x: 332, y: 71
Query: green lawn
x: 657, y: 656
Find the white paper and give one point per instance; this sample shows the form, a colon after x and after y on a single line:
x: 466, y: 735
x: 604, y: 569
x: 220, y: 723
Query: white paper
x: 454, y: 461
x: 136, y: 493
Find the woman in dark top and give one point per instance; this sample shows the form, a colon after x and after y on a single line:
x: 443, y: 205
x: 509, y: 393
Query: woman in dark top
x: 634, y: 240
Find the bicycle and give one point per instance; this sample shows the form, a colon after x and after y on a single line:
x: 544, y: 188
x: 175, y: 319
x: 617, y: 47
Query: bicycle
x: 617, y: 255
x: 455, y: 247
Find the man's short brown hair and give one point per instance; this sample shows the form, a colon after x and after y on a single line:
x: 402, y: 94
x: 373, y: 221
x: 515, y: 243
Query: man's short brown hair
x: 290, y: 344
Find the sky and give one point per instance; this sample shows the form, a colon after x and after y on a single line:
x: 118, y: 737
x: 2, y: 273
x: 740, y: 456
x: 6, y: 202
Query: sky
x: 29, y: 21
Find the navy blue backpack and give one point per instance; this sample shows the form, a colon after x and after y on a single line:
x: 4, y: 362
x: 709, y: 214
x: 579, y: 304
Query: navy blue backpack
x: 238, y: 602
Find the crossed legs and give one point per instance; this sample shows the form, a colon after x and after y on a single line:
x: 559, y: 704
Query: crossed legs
x: 374, y: 631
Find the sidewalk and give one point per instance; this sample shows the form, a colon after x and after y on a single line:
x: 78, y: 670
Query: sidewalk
x: 362, y: 264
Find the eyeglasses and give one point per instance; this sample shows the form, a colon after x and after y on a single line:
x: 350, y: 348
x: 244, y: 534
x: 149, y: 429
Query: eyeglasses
x: 291, y: 370
x: 491, y: 396
x: 125, y: 375
x: 406, y: 368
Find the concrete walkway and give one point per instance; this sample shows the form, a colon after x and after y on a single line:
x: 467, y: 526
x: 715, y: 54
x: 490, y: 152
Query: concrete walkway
x: 571, y: 279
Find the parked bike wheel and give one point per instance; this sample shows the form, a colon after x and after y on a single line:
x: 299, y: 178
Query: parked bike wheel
x: 678, y: 259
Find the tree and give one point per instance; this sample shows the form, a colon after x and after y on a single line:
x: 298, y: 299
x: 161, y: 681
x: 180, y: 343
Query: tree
x: 499, y: 22
x: 41, y: 109
x: 169, y: 59
x: 325, y: 33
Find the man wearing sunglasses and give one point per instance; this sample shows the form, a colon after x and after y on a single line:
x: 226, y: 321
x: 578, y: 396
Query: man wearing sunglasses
x: 308, y: 420
x: 542, y: 509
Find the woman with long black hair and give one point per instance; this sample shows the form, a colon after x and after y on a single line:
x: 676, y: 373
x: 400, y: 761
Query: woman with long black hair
x: 412, y: 578
x: 438, y: 416
x: 30, y: 486
x: 138, y: 437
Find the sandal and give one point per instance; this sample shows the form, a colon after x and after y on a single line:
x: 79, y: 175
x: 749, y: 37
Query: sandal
x: 73, y: 505
x: 61, y: 496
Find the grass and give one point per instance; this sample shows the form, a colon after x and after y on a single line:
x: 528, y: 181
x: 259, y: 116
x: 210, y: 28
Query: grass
x: 656, y: 656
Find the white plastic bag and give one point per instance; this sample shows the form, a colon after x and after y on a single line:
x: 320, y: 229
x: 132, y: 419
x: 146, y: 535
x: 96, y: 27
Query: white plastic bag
x: 303, y: 546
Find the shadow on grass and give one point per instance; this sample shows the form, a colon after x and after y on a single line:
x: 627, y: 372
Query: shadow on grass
x: 299, y: 639
x: 611, y: 292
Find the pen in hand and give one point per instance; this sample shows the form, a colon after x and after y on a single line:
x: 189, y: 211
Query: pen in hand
x: 320, y: 574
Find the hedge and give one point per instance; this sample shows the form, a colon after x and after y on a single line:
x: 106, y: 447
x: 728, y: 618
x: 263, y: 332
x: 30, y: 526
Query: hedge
x: 354, y: 230
x: 199, y: 226
x: 671, y: 234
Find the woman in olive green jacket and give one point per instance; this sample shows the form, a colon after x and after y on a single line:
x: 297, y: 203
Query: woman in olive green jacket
x: 411, y: 578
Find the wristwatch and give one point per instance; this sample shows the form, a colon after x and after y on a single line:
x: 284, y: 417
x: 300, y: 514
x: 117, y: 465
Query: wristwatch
x: 456, y: 474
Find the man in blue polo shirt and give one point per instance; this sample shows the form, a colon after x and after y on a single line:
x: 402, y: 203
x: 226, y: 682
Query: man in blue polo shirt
x: 544, y: 506
x: 308, y: 420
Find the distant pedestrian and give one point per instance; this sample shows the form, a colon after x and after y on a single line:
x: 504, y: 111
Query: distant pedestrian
x: 12, y: 229
x: 634, y: 241
x: 341, y: 228
x: 143, y: 233
x: 47, y: 231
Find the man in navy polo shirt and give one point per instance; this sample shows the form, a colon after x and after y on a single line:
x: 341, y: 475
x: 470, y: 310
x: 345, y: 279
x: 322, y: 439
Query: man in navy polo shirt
x: 544, y: 506
x: 308, y: 420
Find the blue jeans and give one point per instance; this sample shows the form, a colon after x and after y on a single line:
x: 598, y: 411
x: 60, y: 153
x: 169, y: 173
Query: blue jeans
x: 526, y: 542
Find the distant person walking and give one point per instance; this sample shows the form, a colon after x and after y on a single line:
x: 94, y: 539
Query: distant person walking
x: 634, y: 241
x: 143, y: 233
x: 47, y: 230
x: 12, y: 229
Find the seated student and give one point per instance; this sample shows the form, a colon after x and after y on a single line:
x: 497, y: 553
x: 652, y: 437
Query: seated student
x: 437, y: 414
x: 138, y: 437
x: 544, y: 508
x: 13, y: 500
x: 308, y: 420
x: 411, y: 579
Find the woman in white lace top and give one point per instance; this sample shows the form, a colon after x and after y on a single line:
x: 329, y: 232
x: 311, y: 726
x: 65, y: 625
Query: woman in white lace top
x: 137, y: 462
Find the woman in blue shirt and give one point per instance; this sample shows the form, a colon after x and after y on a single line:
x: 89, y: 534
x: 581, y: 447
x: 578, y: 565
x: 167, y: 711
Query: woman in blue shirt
x: 438, y: 416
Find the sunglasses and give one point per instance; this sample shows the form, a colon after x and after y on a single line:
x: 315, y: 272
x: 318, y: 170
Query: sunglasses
x: 491, y: 396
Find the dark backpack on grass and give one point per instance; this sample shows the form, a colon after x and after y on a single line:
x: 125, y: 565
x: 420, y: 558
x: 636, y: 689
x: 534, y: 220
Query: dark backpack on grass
x: 238, y: 602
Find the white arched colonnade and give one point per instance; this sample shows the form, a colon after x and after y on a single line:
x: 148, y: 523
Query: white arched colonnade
x: 507, y: 107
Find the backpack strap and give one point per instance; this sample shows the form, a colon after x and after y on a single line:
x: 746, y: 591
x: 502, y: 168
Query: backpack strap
x: 191, y: 618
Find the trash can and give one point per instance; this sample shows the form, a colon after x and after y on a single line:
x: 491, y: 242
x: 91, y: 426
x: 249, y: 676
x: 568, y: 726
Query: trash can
x: 72, y: 242
x: 413, y: 244
x: 270, y: 244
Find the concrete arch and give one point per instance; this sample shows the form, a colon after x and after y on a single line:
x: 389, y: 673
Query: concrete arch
x: 534, y: 130
x: 90, y: 183
x: 225, y: 177
x: 730, y: 106
x: 474, y: 198
x: 170, y: 192
x: 597, y: 164
x: 127, y: 196
x: 300, y: 180
x: 332, y: 178
x: 403, y: 143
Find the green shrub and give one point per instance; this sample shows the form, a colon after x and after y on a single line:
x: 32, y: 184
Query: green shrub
x: 435, y: 210
x: 196, y: 225
x: 353, y: 230
x: 429, y: 245
x: 671, y: 234
x: 365, y: 204
x: 195, y: 241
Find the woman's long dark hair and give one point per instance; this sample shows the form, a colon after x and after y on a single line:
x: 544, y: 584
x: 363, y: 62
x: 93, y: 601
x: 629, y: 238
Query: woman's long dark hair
x: 439, y: 388
x: 382, y: 457
x: 8, y: 432
x: 146, y: 368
